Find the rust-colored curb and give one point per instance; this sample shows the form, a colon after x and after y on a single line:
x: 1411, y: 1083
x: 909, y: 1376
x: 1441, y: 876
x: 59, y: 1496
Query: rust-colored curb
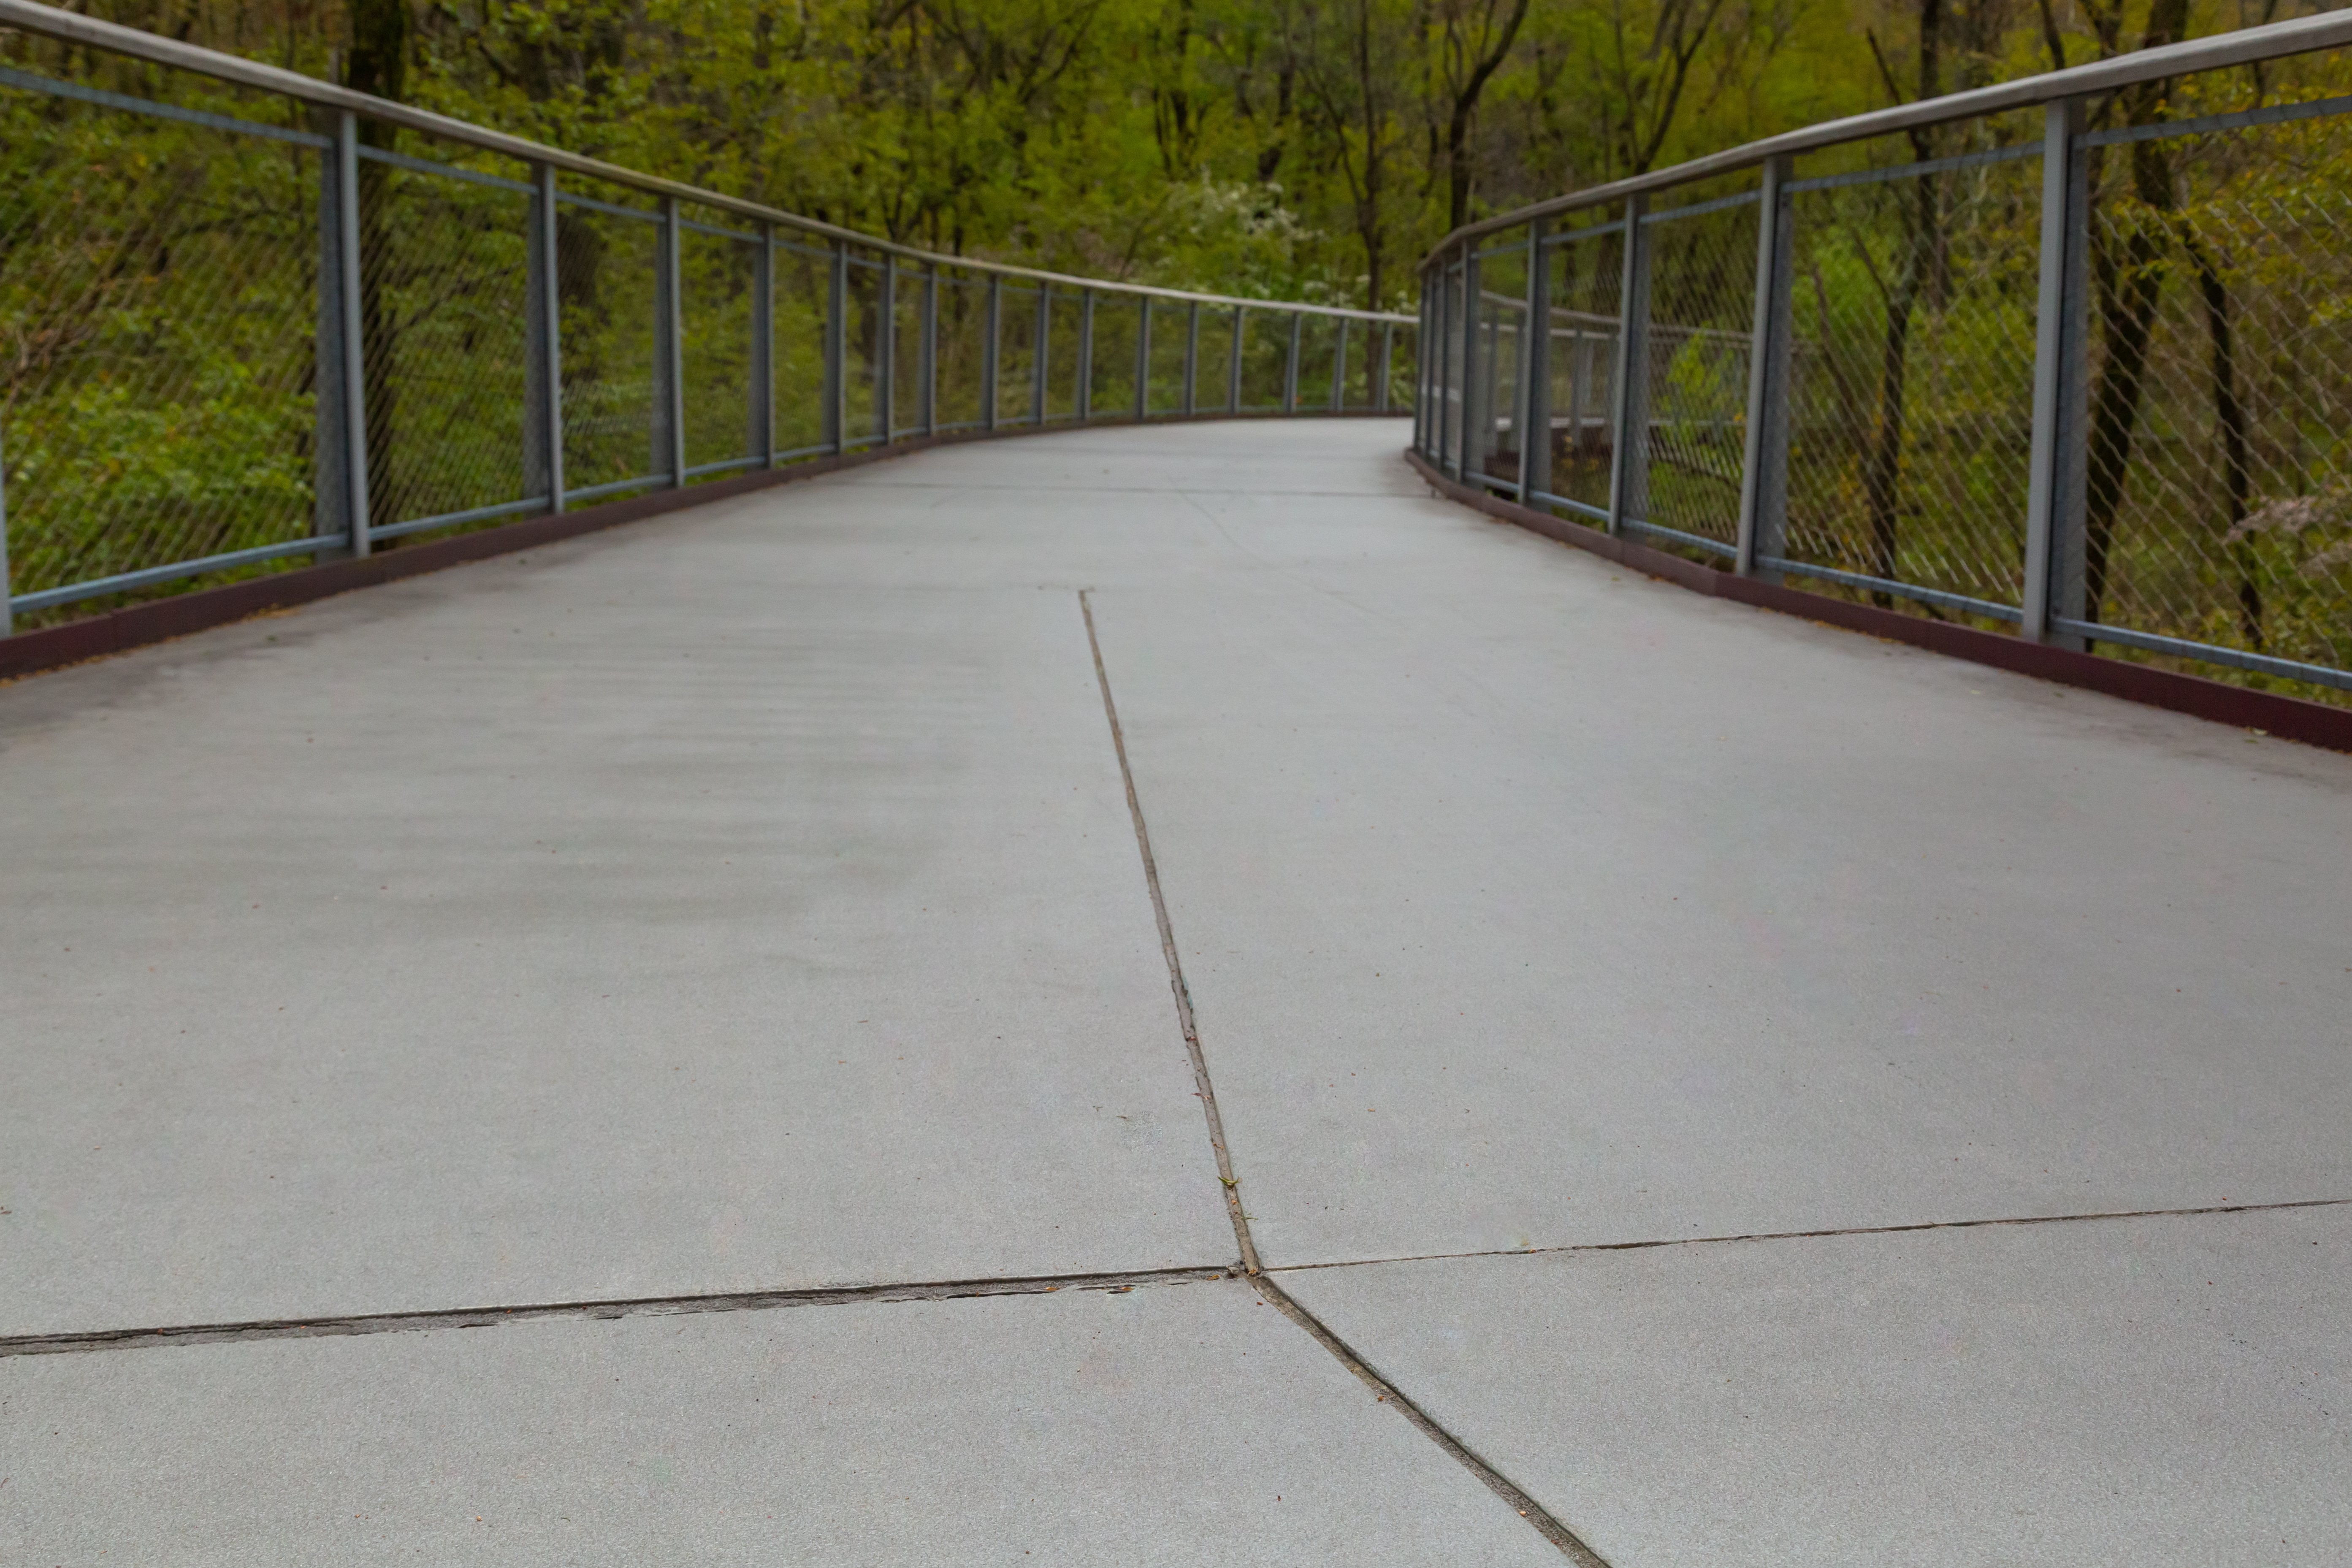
x: 2287, y: 718
x: 159, y: 620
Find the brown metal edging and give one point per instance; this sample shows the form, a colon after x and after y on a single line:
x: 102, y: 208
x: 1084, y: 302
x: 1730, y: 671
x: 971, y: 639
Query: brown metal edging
x: 2284, y: 718
x: 160, y: 620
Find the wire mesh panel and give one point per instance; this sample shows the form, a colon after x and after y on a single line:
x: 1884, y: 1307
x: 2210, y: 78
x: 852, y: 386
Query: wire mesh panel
x: 804, y: 282
x: 443, y: 306
x: 1404, y: 360
x: 1016, y: 353
x: 1318, y: 339
x: 907, y: 369
x: 963, y: 349
x: 1451, y: 315
x: 158, y: 304
x: 1492, y: 408
x: 718, y: 284
x: 866, y: 418
x: 1213, y: 376
x: 606, y: 296
x: 1702, y: 292
x: 1581, y: 359
x: 1117, y: 319
x: 1265, y: 353
x: 1170, y: 324
x: 1064, y: 330
x: 2218, y: 495
x: 1911, y: 386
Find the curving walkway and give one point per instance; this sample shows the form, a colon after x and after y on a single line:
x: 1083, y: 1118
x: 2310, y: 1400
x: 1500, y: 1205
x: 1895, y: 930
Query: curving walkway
x: 1695, y: 1058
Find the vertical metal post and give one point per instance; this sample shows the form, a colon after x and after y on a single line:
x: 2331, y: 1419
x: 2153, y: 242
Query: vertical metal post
x: 1477, y: 414
x: 886, y: 352
x: 1143, y: 358
x: 1290, y: 367
x: 1085, y: 355
x: 1192, y: 358
x: 989, y: 372
x: 837, y: 350
x: 927, y: 351
x: 1764, y: 468
x: 1339, y: 364
x: 1234, y: 362
x: 1386, y: 367
x: 1041, y: 357
x: 764, y: 349
x: 1534, y: 417
x: 2054, y: 486
x: 669, y: 354
x: 542, y: 376
x: 1629, y: 455
x: 341, y: 457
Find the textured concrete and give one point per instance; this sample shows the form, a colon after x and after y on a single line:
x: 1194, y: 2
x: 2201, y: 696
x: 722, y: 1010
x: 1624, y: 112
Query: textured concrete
x: 2173, y: 1391
x: 636, y: 919
x: 747, y: 900
x: 1524, y: 902
x: 1172, y: 1424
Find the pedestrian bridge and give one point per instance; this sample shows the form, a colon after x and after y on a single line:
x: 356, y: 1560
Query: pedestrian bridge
x: 1168, y: 991
x: 1761, y: 1093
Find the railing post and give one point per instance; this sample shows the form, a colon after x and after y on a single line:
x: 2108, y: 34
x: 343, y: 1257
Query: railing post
x: 1629, y: 454
x: 1387, y: 367
x: 340, y: 490
x: 1192, y: 358
x: 1041, y: 354
x: 1085, y: 355
x: 1764, y: 466
x: 1534, y: 418
x: 989, y: 372
x: 542, y: 433
x: 764, y: 348
x: 927, y: 351
x: 837, y: 350
x: 1234, y: 364
x: 669, y: 354
x: 885, y: 351
x: 1339, y: 364
x: 2054, y: 485
x: 1290, y: 367
x: 1143, y: 359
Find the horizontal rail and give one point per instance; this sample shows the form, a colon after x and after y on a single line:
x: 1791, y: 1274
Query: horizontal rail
x: 88, y: 31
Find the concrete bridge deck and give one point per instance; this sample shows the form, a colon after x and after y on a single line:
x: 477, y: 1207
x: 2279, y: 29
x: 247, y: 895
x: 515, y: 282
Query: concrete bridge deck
x: 1695, y: 1057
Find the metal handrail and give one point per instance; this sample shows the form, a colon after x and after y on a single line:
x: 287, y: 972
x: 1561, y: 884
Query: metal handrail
x: 113, y: 37
x: 2274, y: 40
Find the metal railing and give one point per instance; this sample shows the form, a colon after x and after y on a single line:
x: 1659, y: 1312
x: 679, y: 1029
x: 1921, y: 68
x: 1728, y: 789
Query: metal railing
x: 2070, y: 356
x: 249, y: 319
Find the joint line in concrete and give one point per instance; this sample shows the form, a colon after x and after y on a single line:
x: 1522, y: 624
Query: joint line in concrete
x: 1225, y: 1177
x: 648, y: 1306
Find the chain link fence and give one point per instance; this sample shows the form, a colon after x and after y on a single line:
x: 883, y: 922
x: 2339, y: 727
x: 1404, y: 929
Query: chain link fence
x: 2075, y: 366
x: 248, y: 322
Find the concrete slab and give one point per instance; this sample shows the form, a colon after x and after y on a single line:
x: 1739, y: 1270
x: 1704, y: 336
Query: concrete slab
x: 1526, y: 902
x: 1177, y: 1425
x: 646, y: 916
x: 2164, y: 1390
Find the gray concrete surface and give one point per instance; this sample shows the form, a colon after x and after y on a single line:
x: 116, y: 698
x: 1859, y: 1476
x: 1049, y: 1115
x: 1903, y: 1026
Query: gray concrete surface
x: 747, y: 900
x: 2173, y: 1391
x: 1172, y: 1424
x: 1526, y: 902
